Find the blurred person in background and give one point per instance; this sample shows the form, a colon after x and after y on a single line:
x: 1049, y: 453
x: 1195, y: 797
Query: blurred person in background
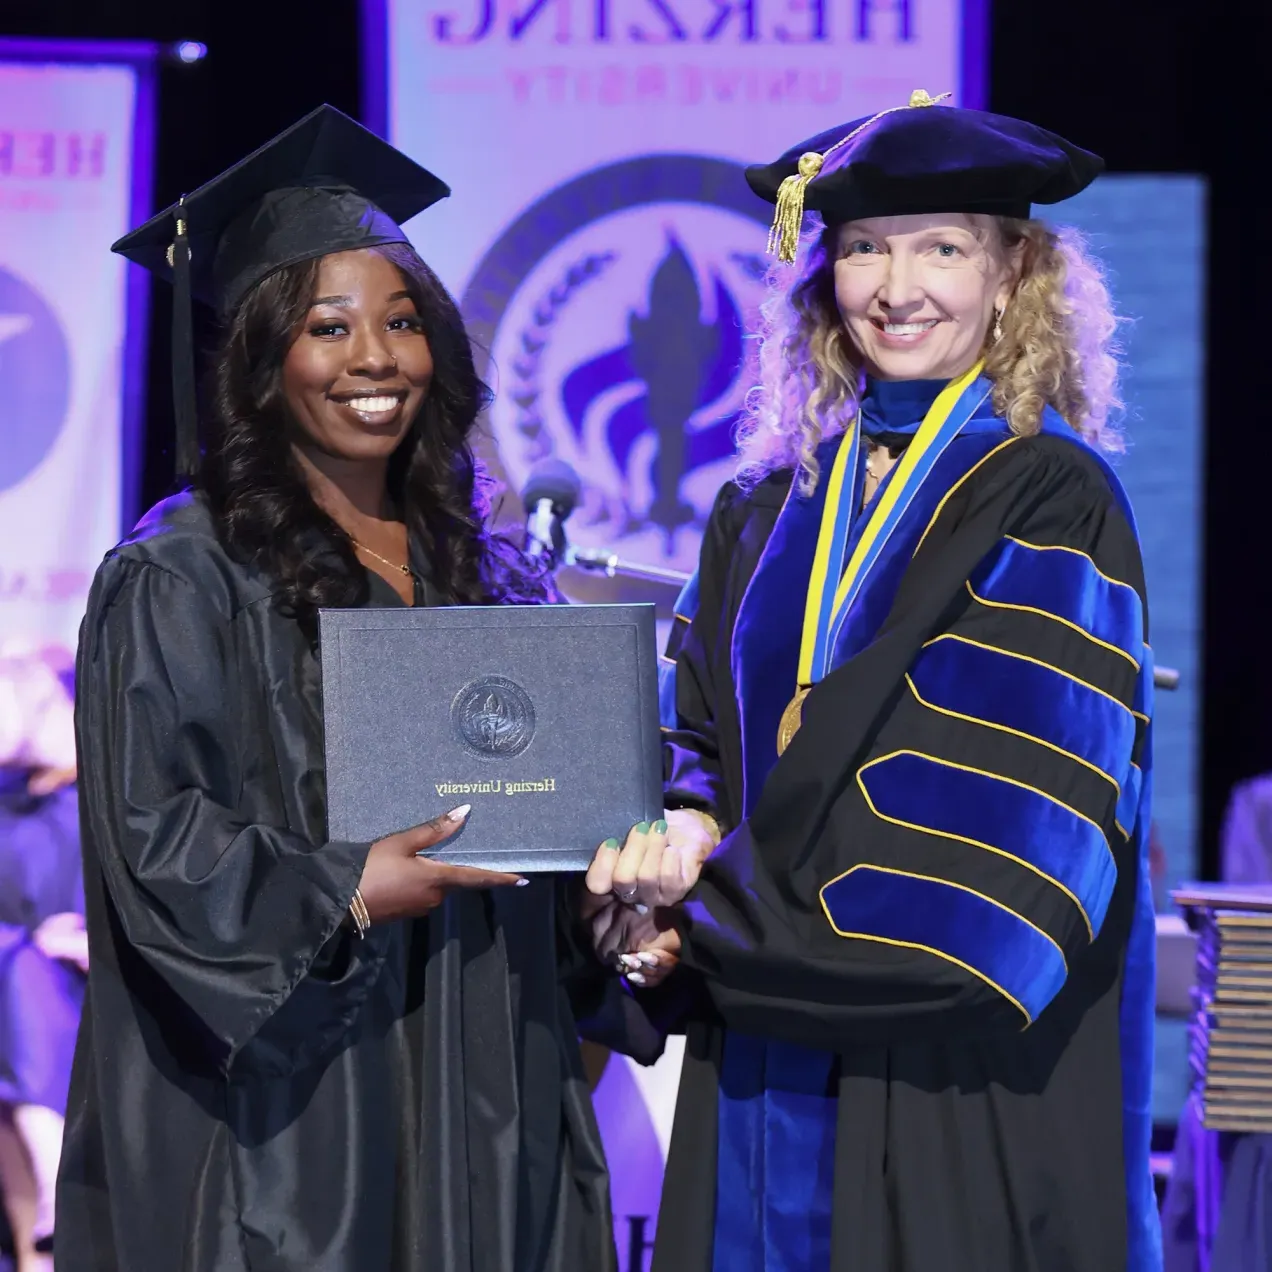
x: 43, y: 950
x: 1245, y: 842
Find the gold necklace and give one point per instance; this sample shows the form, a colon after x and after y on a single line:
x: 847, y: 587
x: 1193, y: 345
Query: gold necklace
x: 873, y: 451
x: 393, y: 565
x: 873, y: 476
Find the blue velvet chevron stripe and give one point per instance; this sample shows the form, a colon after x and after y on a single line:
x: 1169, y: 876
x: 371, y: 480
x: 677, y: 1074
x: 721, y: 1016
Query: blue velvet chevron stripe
x: 963, y: 927
x: 1029, y: 698
x: 999, y: 815
x: 1063, y: 584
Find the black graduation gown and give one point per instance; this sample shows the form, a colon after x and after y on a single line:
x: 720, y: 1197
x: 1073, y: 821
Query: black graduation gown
x: 962, y: 1141
x: 254, y: 1087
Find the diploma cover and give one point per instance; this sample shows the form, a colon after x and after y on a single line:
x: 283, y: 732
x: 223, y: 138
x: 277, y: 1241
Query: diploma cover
x: 543, y: 717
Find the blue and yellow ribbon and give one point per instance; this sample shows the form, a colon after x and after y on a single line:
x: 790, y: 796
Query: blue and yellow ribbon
x: 826, y: 607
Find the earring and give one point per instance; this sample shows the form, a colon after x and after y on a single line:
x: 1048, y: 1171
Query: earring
x: 998, y: 323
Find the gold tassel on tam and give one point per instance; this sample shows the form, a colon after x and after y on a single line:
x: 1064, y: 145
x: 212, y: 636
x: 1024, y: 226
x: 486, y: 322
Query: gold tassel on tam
x: 788, y: 216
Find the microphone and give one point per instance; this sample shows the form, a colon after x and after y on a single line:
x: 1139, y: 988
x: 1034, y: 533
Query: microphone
x: 549, y: 496
x: 603, y: 561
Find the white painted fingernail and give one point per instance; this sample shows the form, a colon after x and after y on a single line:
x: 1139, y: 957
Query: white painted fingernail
x: 636, y: 978
x: 649, y: 960
x: 458, y: 814
x: 641, y: 909
x: 523, y: 883
x: 631, y: 961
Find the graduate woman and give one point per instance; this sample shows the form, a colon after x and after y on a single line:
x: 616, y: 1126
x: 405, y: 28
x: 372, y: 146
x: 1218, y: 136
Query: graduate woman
x: 300, y: 1055
x: 913, y: 707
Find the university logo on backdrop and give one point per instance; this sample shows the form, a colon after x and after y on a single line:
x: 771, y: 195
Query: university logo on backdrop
x: 616, y: 306
x: 616, y: 311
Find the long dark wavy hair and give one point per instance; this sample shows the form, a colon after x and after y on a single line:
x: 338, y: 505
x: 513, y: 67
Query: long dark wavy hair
x: 265, y: 514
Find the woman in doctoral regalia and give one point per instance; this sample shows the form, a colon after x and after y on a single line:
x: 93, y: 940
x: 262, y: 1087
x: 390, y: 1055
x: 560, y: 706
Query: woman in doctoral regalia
x: 912, y: 743
x: 301, y: 1055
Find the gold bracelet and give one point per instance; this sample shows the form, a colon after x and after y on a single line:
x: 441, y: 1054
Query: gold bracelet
x: 359, y: 913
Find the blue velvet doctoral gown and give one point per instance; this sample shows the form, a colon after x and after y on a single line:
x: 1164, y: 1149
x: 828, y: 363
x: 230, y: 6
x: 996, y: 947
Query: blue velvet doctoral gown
x: 935, y: 907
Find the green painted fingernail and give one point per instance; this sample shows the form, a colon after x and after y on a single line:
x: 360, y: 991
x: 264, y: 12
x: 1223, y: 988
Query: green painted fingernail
x: 611, y: 843
x: 642, y: 828
x: 660, y: 827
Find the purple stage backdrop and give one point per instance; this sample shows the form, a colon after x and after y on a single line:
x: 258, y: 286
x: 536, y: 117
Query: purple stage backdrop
x: 75, y: 163
x: 609, y: 258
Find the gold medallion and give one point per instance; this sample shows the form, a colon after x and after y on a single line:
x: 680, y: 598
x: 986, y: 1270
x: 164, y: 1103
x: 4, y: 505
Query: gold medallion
x: 791, y: 719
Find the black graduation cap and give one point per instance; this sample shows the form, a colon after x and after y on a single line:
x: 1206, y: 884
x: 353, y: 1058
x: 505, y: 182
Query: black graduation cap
x: 324, y: 185
x: 920, y: 157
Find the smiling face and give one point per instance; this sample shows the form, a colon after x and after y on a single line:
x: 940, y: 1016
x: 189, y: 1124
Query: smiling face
x: 917, y: 294
x: 360, y: 367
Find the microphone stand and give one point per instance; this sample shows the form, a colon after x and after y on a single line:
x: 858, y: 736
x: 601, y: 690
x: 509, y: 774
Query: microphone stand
x: 601, y: 561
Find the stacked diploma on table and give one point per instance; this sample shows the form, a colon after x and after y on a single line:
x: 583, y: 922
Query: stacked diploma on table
x: 1230, y: 1049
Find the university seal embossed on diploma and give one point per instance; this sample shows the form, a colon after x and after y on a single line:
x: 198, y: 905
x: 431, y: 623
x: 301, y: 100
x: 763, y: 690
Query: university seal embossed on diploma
x: 493, y: 717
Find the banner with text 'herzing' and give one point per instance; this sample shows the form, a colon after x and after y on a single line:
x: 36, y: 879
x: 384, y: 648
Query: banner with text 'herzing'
x: 67, y: 139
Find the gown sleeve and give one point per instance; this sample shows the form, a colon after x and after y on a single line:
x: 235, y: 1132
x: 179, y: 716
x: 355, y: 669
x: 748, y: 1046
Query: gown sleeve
x: 239, y: 919
x: 939, y: 847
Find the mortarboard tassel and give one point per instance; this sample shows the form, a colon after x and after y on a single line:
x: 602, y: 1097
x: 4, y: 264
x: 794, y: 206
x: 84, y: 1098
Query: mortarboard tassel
x: 183, y: 395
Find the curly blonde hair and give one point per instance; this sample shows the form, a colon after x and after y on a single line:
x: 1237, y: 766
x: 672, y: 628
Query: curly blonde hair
x: 1056, y: 349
